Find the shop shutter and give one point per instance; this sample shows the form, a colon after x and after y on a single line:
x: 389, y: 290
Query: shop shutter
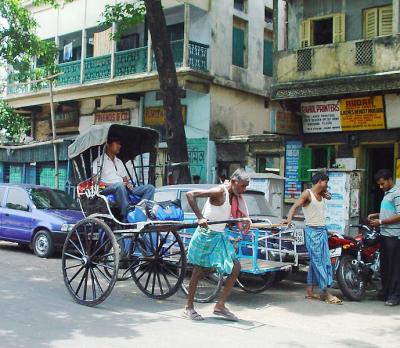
x: 1, y: 172
x: 370, y: 23
x: 30, y: 175
x: 16, y: 174
x: 339, y: 28
x: 305, y: 33
x: 385, y: 20
x: 267, y: 69
x: 238, y: 47
x: 46, y: 177
x: 305, y: 163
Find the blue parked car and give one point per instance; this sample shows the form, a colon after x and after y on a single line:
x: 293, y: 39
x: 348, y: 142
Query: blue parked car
x: 36, y: 216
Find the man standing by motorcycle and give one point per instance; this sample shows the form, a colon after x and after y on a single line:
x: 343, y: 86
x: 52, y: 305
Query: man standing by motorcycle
x: 316, y: 236
x: 389, y: 222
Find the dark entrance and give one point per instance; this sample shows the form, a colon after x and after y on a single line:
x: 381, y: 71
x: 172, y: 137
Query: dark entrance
x: 377, y: 158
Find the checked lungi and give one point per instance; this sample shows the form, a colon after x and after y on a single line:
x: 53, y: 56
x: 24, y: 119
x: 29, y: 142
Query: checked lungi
x: 320, y: 268
x: 210, y: 249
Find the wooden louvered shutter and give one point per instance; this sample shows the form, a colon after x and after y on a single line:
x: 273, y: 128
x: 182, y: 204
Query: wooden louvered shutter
x: 305, y: 33
x: 339, y: 28
x: 385, y: 20
x: 370, y: 23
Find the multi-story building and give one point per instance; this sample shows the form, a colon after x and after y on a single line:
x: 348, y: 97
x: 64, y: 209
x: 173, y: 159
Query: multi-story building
x: 223, y: 56
x: 336, y: 67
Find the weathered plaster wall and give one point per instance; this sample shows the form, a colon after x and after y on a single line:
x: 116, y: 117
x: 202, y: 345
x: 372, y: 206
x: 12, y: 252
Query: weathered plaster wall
x: 237, y: 113
x: 303, y: 9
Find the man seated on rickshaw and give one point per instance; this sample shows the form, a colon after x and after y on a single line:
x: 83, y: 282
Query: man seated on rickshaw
x: 115, y: 178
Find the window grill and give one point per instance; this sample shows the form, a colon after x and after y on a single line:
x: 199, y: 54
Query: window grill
x: 364, y: 52
x: 304, y: 59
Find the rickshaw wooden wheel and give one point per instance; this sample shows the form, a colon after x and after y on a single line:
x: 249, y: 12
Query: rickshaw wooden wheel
x: 158, y: 263
x: 89, y: 250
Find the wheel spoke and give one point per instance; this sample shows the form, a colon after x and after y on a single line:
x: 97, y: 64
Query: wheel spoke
x: 79, y: 239
x: 74, y: 266
x: 73, y: 256
x: 76, y: 274
x: 85, y: 286
x: 76, y: 247
x: 159, y: 283
x: 103, y: 265
x: 93, y: 284
x: 103, y: 274
x: 81, y: 282
x: 169, y: 271
x: 154, y: 279
x: 165, y: 277
x: 173, y: 264
x: 144, y: 272
x: 169, y: 247
x: 97, y: 281
x: 98, y: 249
x: 148, y: 277
x: 163, y: 242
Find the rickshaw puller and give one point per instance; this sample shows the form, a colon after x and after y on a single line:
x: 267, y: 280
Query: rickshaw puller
x: 210, y: 247
x: 115, y: 178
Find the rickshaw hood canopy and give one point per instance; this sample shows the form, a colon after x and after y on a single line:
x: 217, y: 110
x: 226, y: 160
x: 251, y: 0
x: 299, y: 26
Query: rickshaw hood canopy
x: 134, y: 140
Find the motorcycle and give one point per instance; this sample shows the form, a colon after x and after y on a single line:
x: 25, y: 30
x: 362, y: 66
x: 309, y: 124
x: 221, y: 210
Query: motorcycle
x: 356, y: 261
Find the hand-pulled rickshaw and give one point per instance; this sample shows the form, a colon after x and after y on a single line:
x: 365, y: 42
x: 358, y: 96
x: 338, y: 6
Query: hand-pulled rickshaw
x: 96, y: 248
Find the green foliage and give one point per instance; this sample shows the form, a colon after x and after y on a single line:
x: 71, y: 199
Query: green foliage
x: 18, y: 41
x: 13, y: 126
x: 125, y: 15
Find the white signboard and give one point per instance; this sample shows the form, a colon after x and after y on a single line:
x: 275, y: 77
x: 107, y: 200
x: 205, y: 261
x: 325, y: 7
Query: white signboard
x: 337, y: 207
x: 321, y: 116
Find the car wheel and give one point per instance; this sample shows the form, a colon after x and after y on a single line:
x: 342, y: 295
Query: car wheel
x: 43, y: 245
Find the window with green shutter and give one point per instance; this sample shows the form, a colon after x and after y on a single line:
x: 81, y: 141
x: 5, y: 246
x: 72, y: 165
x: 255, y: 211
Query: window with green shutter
x: 305, y: 163
x: 16, y: 174
x: 377, y: 21
x: 267, y: 66
x: 238, y: 47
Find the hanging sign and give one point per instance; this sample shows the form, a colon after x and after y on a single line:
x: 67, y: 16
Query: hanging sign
x: 121, y: 116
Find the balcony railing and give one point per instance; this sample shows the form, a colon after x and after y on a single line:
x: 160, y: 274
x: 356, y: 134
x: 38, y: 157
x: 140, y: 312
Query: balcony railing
x: 126, y: 63
x: 338, y: 60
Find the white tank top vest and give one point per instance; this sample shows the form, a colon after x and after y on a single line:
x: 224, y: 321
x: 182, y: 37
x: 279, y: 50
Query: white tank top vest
x: 218, y: 212
x: 314, y: 212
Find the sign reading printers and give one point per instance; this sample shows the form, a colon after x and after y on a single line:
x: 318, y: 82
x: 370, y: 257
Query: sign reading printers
x: 353, y: 114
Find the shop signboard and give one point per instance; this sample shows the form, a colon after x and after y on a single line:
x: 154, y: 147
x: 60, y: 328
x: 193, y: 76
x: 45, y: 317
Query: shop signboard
x: 292, y: 183
x: 351, y: 114
x: 155, y: 115
x: 120, y: 116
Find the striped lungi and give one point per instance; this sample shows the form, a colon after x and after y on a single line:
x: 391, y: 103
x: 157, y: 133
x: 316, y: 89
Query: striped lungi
x: 210, y: 249
x: 320, y: 268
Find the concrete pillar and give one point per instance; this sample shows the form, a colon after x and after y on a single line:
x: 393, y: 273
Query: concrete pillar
x: 186, y: 21
x: 275, y: 25
x: 396, y: 16
x: 84, y: 43
x: 113, y: 50
x: 149, y: 53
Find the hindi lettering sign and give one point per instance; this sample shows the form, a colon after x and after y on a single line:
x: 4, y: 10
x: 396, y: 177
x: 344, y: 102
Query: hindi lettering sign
x: 121, y: 116
x: 353, y: 114
x: 197, y: 153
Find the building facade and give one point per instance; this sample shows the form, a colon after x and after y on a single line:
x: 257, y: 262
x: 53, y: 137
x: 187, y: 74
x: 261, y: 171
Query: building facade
x: 223, y: 55
x: 336, y: 70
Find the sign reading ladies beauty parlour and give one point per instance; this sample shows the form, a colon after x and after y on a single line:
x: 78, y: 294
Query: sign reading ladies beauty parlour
x: 353, y: 114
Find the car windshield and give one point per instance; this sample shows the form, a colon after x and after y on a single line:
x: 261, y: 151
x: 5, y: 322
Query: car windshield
x: 257, y: 204
x: 52, y: 199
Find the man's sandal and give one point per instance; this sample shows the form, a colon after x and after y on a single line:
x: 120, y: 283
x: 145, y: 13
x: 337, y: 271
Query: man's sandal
x: 334, y: 300
x: 225, y: 314
x: 312, y: 297
x: 191, y: 314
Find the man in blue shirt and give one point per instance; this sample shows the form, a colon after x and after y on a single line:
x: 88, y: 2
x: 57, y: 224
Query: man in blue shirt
x: 389, y: 222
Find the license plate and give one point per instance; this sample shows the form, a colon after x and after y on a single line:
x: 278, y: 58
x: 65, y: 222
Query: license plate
x: 299, y: 237
x: 335, y: 252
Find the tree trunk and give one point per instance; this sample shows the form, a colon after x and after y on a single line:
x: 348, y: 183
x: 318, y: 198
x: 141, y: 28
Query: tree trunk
x: 175, y: 130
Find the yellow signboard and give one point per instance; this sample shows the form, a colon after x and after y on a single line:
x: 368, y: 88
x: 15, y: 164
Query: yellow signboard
x: 155, y: 116
x: 364, y: 113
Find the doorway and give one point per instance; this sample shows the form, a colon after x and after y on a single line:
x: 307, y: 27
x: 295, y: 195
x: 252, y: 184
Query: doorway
x: 376, y: 158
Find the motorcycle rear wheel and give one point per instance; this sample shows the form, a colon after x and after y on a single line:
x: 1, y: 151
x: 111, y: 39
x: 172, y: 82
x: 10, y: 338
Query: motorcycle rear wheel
x: 351, y: 281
